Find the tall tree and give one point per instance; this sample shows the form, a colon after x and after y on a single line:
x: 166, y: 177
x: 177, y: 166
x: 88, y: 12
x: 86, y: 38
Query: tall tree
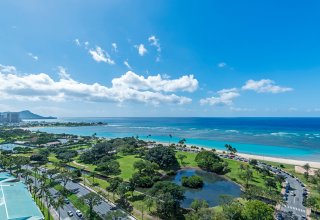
x: 91, y: 199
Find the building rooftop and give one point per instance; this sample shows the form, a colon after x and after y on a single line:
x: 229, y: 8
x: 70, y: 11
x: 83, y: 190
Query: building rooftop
x: 15, y: 200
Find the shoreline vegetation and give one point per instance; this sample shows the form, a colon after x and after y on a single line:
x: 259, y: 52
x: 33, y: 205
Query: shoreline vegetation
x: 279, y: 159
x: 60, y: 124
x: 296, y: 162
x: 131, y: 163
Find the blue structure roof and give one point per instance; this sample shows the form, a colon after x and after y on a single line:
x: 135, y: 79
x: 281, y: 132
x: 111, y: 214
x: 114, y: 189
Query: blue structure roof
x: 16, y: 203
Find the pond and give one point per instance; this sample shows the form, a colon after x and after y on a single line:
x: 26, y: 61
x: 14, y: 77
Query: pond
x: 214, y: 186
x: 9, y: 146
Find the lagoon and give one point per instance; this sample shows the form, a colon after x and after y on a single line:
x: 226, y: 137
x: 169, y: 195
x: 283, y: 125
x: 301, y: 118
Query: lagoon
x: 214, y: 187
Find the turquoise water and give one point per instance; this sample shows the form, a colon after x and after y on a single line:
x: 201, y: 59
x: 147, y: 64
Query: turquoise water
x: 296, y: 138
x: 214, y: 186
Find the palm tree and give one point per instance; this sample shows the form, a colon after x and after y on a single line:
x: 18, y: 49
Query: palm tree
x: 247, y: 175
x: 35, y: 172
x: 35, y: 190
x: 29, y: 184
x: 306, y: 167
x: 92, y: 200
x: 241, y: 167
x: 59, y: 204
x: 93, y: 174
x: 49, y: 200
x: 149, y: 202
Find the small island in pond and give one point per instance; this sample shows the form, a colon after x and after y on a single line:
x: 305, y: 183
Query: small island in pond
x: 194, y: 182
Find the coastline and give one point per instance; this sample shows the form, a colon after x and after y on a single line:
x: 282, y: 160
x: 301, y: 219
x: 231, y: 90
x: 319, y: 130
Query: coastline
x: 312, y: 164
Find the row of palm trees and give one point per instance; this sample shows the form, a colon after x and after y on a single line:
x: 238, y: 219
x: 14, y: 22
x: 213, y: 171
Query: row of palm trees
x: 37, y: 182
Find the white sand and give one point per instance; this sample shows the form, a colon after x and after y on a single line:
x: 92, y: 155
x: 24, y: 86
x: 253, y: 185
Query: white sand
x: 266, y: 158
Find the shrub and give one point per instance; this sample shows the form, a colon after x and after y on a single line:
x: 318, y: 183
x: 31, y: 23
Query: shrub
x: 192, y: 182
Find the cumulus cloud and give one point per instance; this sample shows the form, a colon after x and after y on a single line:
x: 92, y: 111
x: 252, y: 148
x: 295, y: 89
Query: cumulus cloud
x: 114, y: 47
x: 155, y: 42
x: 141, y: 49
x: 222, y: 64
x: 33, y: 56
x: 36, y: 87
x: 99, y: 55
x: 156, y: 83
x: 265, y: 86
x: 224, y: 97
x: 126, y: 63
x: 63, y: 73
x: 7, y: 69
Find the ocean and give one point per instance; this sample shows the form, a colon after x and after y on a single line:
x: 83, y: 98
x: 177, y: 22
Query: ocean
x: 294, y: 138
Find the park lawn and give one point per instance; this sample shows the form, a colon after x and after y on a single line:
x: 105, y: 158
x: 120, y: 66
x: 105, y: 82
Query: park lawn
x: 89, y: 167
x: 52, y: 158
x: 234, y: 173
x: 126, y: 165
x: 102, y: 183
x: 79, y: 146
x: 189, y: 161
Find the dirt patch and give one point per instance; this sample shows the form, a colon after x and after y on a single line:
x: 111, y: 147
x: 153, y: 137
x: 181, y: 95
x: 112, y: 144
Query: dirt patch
x: 299, y: 169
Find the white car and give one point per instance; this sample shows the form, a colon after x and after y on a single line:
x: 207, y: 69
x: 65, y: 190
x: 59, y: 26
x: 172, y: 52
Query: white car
x: 78, y: 212
x: 70, y: 213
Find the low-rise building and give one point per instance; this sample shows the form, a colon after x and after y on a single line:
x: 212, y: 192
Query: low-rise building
x: 16, y: 201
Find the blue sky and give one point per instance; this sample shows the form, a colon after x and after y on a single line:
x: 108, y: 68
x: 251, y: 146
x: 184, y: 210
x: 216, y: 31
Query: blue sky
x: 160, y: 58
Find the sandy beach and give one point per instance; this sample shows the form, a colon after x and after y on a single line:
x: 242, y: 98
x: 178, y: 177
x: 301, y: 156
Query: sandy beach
x: 266, y: 158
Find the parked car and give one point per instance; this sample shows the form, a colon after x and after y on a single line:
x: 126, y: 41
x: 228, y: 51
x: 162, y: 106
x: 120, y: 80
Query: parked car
x: 78, y: 212
x: 70, y: 213
x: 66, y: 201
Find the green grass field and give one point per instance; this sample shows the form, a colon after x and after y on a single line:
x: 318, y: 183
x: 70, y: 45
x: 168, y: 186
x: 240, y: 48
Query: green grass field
x: 126, y: 165
x: 189, y: 161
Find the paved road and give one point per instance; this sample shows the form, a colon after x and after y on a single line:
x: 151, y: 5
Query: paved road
x: 80, y: 190
x: 66, y: 207
x: 293, y: 207
x: 295, y: 201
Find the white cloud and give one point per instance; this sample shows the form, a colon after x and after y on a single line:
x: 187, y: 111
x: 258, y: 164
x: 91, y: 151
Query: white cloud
x: 293, y: 109
x: 114, y: 47
x: 33, y: 56
x: 36, y: 87
x: 63, y: 73
x: 237, y: 109
x: 224, y: 97
x: 86, y: 44
x: 155, y: 42
x: 222, y: 64
x: 156, y: 83
x: 126, y: 63
x: 77, y: 42
x: 7, y: 69
x: 265, y: 86
x: 141, y: 49
x: 99, y: 55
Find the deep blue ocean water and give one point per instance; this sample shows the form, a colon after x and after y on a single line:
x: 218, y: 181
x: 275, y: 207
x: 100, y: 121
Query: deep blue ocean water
x: 297, y: 138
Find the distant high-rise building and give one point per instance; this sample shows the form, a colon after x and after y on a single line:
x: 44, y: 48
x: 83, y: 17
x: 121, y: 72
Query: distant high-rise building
x: 9, y: 117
